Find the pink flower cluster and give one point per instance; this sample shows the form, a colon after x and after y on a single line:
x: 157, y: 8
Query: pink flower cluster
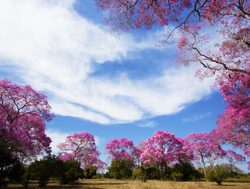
x: 82, y: 148
x: 23, y: 113
x: 122, y: 149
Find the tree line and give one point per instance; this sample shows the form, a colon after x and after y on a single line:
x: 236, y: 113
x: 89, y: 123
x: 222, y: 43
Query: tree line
x: 24, y: 112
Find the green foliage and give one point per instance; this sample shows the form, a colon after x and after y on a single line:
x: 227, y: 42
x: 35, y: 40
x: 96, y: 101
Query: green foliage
x: 137, y: 173
x: 217, y: 174
x: 185, y: 171
x: 201, y: 172
x: 10, y: 168
x: 41, y: 171
x: 6, y: 160
x: 72, y: 172
x: 90, y: 172
x: 16, y: 171
x: 152, y: 172
x: 140, y: 174
x: 98, y: 176
x: 143, y: 173
x: 50, y: 167
x: 232, y: 169
x: 181, y: 172
x: 121, y: 169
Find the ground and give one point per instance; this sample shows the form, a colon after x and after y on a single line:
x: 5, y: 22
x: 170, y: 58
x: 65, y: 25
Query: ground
x: 128, y: 184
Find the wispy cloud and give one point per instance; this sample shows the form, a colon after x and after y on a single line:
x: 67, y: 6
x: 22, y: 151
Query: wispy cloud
x: 197, y: 117
x: 149, y: 124
x: 48, y: 45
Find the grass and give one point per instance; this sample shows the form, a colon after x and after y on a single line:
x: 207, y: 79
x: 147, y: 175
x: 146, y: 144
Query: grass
x: 134, y: 184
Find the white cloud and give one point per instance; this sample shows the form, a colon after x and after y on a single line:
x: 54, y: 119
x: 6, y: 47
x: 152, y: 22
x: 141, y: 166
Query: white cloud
x: 197, y: 117
x: 57, y: 137
x: 55, y: 50
x: 149, y: 124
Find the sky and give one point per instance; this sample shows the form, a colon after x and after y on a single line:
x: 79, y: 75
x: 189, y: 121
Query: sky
x: 96, y: 81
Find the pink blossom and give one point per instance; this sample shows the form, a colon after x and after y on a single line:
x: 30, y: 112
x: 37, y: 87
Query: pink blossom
x: 122, y: 149
x: 82, y: 148
x: 23, y: 112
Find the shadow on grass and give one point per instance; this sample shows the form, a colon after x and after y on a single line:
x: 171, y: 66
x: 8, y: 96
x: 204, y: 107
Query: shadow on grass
x: 81, y: 185
x: 104, y: 183
x: 58, y: 186
x: 223, y: 184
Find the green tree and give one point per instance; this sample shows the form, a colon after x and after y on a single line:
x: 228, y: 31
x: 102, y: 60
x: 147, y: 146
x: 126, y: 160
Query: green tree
x: 185, y: 171
x: 90, y: 172
x: 121, y: 169
x: 72, y: 171
x: 217, y: 174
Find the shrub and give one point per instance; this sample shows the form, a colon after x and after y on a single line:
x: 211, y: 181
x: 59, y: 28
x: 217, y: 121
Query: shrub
x: 137, y: 173
x: 40, y: 170
x: 90, y: 172
x: 98, y: 176
x: 121, y: 169
x: 217, y: 174
x: 16, y: 171
x: 153, y: 172
x: 72, y: 172
x: 185, y: 171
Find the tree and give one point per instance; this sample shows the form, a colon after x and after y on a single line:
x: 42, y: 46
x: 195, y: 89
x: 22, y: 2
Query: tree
x: 121, y: 169
x: 51, y: 167
x: 90, y: 172
x: 122, y: 149
x: 163, y: 149
x: 228, y: 60
x: 217, y: 174
x: 41, y: 170
x: 82, y: 148
x: 188, y: 18
x: 72, y: 171
x: 23, y: 113
x: 234, y: 124
x: 234, y: 158
x: 205, y: 149
x: 185, y: 171
x: 16, y: 171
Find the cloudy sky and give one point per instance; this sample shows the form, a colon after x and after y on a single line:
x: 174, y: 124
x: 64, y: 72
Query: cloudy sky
x: 96, y: 81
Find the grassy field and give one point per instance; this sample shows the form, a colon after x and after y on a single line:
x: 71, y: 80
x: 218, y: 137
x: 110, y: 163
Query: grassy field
x: 128, y: 184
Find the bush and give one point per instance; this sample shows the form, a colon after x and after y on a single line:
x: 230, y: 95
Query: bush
x: 217, y: 174
x: 39, y: 170
x: 72, y: 171
x: 184, y: 171
x: 6, y: 161
x: 16, y: 171
x: 51, y: 167
x: 98, y: 176
x: 121, y: 169
x: 137, y: 173
x: 153, y: 172
x: 90, y: 172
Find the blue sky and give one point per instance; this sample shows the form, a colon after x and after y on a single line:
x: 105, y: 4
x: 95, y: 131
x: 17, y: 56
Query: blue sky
x: 111, y: 86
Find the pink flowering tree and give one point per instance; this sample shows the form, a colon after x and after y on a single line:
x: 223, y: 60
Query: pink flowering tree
x: 188, y: 18
x: 23, y: 113
x: 123, y: 149
x: 163, y: 149
x: 227, y: 59
x: 234, y: 158
x: 205, y: 149
x: 82, y: 148
x: 234, y: 124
